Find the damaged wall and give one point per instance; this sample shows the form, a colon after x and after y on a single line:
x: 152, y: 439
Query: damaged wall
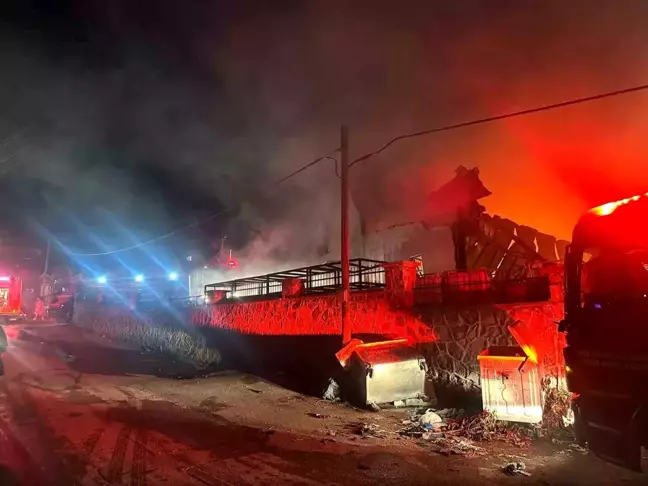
x: 507, y: 247
x: 406, y: 241
x: 494, y: 249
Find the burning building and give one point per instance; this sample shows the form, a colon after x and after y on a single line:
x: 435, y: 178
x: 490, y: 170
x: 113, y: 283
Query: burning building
x: 450, y: 230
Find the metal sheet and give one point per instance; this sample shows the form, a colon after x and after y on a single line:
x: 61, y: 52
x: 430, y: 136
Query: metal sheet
x: 387, y: 372
x: 389, y: 382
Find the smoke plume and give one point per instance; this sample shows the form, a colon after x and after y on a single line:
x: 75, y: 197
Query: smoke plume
x: 163, y: 112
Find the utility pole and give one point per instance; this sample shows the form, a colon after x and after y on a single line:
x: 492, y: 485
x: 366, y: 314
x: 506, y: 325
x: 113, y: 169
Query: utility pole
x: 48, y: 217
x: 47, y: 255
x: 344, y: 253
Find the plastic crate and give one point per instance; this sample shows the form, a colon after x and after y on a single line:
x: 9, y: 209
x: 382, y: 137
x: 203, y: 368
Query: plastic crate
x: 467, y: 287
x: 511, y: 386
x: 428, y: 288
x: 467, y: 281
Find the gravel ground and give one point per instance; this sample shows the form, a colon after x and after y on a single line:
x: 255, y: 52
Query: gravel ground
x: 75, y: 409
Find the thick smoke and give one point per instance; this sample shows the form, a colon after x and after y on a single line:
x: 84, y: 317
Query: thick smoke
x: 154, y: 116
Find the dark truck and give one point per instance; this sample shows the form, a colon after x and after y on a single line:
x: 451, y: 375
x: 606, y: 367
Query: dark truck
x: 61, y: 306
x: 606, y: 326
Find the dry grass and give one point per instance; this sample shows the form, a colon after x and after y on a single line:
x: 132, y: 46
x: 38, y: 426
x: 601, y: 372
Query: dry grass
x: 485, y: 426
x: 126, y: 326
x: 557, y: 405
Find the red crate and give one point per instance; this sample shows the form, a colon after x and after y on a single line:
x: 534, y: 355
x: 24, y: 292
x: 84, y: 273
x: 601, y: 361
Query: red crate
x: 468, y: 281
x: 428, y: 288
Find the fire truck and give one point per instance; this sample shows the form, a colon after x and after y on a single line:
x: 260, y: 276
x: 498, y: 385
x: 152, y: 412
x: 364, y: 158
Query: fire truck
x: 10, y: 299
x: 606, y: 326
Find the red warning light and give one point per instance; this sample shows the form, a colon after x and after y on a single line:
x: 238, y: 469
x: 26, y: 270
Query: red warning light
x: 609, y: 208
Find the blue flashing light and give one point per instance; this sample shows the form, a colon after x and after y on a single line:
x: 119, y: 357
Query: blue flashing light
x: 102, y: 279
x: 139, y: 278
x: 173, y: 276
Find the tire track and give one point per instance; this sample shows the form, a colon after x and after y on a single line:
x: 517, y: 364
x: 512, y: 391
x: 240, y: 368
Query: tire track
x: 199, y: 474
x: 138, y: 468
x: 16, y: 462
x: 115, y: 469
x: 89, y: 444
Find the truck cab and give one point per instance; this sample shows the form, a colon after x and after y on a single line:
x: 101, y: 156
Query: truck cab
x: 10, y: 299
x: 62, y: 303
x: 606, y: 326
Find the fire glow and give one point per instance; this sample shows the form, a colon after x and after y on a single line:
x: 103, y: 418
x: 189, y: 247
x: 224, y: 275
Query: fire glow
x: 608, y: 208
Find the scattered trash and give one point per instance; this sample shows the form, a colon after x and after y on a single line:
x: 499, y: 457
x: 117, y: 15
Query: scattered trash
x: 426, y: 425
x: 332, y: 391
x: 449, y: 445
x: 569, y: 418
x: 373, y: 407
x: 370, y: 430
x: 578, y: 448
x: 454, y: 433
x: 411, y: 402
x: 513, y: 468
x: 430, y: 419
x: 450, y: 413
x: 431, y: 435
x: 318, y: 415
x: 557, y: 413
x: 485, y: 427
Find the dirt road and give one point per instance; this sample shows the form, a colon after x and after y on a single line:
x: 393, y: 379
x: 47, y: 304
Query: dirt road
x: 77, y: 410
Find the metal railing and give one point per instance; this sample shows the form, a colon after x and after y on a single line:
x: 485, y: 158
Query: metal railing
x: 186, y: 302
x: 325, y: 278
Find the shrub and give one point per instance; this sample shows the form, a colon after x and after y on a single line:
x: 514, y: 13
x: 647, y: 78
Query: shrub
x: 153, y: 333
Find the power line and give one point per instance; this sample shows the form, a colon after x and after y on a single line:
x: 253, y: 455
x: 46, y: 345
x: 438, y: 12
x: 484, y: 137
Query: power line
x: 385, y: 147
x: 500, y: 117
x: 207, y: 218
x: 308, y: 166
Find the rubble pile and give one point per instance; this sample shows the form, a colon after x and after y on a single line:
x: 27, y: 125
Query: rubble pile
x: 557, y: 413
x: 455, y: 433
x: 485, y: 427
x: 366, y: 430
x: 513, y: 468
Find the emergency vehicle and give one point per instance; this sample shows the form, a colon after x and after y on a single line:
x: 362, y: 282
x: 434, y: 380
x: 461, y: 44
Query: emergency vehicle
x: 606, y: 326
x: 10, y: 299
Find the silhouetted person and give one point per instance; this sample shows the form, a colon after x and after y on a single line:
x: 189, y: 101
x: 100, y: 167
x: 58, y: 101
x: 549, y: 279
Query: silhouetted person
x: 39, y: 311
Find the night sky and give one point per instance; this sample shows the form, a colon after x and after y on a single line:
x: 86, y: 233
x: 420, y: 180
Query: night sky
x: 148, y: 114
